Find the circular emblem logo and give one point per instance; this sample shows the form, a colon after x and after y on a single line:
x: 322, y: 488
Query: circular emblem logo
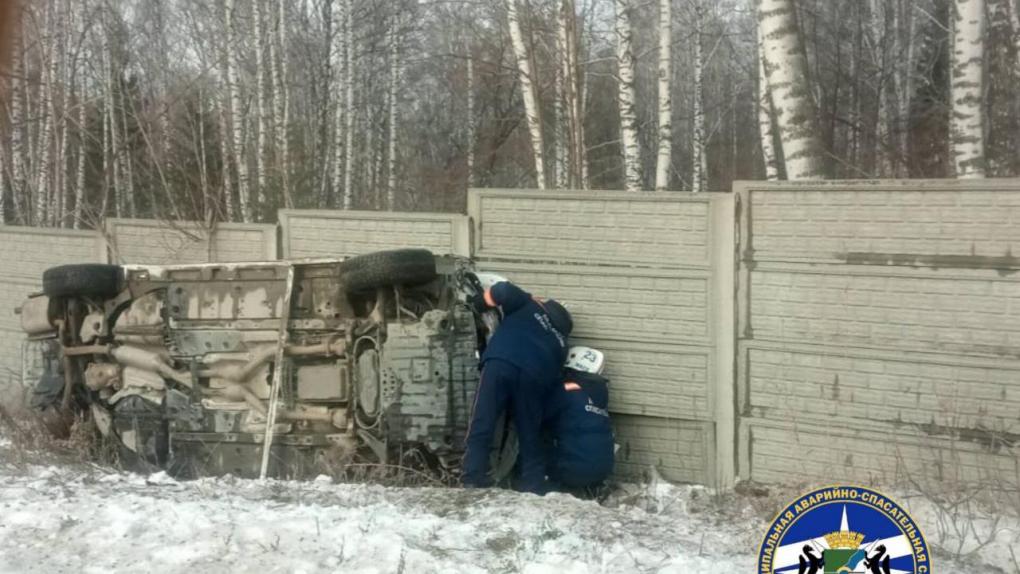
x: 844, y: 529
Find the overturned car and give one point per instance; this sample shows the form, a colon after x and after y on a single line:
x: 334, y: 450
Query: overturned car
x: 277, y: 368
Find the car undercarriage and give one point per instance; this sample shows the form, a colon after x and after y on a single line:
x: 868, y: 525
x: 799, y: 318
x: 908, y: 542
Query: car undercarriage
x: 286, y: 369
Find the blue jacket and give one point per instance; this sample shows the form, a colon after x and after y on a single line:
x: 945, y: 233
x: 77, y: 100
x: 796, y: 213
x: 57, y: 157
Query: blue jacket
x: 577, y: 416
x: 526, y: 336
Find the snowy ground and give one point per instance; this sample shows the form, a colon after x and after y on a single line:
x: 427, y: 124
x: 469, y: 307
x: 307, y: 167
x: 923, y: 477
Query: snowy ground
x: 82, y: 518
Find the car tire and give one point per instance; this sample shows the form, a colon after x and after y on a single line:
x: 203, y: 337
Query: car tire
x: 87, y: 279
x: 382, y: 268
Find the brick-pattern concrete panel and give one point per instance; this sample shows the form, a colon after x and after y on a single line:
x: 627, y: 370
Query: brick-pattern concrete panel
x: 26, y: 253
x: 162, y: 242
x: 928, y: 221
x: 938, y: 313
x: 656, y: 378
x: 344, y: 233
x: 679, y: 450
x: 638, y: 273
x: 878, y: 337
x: 812, y: 385
x: 875, y: 453
x: 654, y: 229
x: 622, y: 304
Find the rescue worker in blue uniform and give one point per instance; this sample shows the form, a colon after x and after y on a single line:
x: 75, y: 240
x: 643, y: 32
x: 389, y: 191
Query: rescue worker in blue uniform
x: 521, y: 366
x: 577, y: 418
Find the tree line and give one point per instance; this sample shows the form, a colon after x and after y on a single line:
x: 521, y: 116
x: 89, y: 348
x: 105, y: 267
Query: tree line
x: 226, y: 110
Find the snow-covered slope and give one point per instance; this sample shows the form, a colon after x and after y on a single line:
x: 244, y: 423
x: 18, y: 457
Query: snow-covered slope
x: 81, y: 518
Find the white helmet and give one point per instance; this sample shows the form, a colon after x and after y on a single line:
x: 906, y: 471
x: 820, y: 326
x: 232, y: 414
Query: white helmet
x: 487, y: 280
x: 586, y: 360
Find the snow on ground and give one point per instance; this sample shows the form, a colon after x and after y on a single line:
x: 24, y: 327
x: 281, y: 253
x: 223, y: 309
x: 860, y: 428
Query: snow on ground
x: 56, y: 519
x: 82, y: 518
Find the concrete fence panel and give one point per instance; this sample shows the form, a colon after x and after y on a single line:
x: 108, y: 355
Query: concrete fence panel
x: 320, y: 233
x: 878, y: 336
x: 27, y: 252
x: 166, y: 242
x: 646, y: 277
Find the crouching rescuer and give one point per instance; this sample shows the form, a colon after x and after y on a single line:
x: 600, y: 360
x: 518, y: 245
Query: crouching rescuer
x: 521, y: 367
x: 577, y: 422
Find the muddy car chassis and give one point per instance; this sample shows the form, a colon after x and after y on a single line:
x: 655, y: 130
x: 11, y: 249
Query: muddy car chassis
x: 281, y: 368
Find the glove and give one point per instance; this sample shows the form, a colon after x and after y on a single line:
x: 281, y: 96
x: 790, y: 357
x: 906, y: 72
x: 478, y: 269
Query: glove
x: 477, y: 302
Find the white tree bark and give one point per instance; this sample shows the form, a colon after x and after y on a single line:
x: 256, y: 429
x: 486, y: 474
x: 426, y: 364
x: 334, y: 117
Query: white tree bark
x: 236, y: 119
x: 786, y: 70
x: 531, y: 109
x: 396, y: 68
x: 764, y: 110
x: 281, y: 105
x: 349, y: 102
x: 43, y: 190
x: 560, y: 154
x: 573, y: 86
x: 225, y: 155
x: 469, y: 144
x: 664, y: 157
x: 967, y: 125
x: 699, y: 156
x: 626, y: 94
x: 340, y: 104
x: 262, y: 108
x: 18, y: 122
x: 879, y: 56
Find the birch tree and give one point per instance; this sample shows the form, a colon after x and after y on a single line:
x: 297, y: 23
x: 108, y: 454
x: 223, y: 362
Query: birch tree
x: 625, y: 80
x: 528, y: 92
x: 786, y: 71
x: 262, y: 107
x: 662, y: 162
x: 278, y: 57
x: 764, y: 114
x: 967, y: 125
x: 393, y: 104
x: 699, y: 154
x: 349, y: 74
x: 236, y: 118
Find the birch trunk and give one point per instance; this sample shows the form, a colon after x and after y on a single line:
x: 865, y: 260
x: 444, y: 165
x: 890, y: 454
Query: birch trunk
x: 349, y: 101
x: 628, y: 115
x: 786, y: 70
x: 126, y: 161
x: 394, y: 113
x: 281, y: 107
x: 18, y: 122
x: 559, y: 151
x: 967, y: 125
x: 528, y: 92
x: 469, y: 145
x: 764, y: 110
x: 662, y: 162
x: 261, y: 110
x: 47, y: 110
x: 79, y: 181
x: 340, y: 107
x: 236, y: 119
x: 881, y: 138
x: 573, y: 85
x: 699, y: 159
x: 225, y: 155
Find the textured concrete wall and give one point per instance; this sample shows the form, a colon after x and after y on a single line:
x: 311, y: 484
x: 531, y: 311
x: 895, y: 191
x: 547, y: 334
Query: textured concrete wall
x: 27, y: 252
x: 878, y: 330
x: 638, y: 273
x: 161, y: 242
x: 311, y: 233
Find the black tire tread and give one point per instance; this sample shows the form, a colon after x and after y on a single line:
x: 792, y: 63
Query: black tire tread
x: 82, y: 279
x: 393, y: 267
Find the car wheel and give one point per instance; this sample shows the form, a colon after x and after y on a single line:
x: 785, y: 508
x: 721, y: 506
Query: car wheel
x: 382, y: 268
x: 87, y: 279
